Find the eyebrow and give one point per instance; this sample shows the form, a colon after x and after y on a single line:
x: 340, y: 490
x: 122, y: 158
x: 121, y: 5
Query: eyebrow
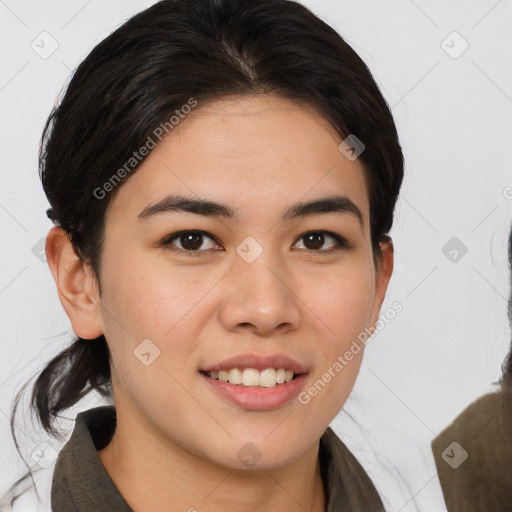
x: 179, y: 203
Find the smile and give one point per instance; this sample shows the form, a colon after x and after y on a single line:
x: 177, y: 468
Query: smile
x: 254, y: 396
x: 251, y: 377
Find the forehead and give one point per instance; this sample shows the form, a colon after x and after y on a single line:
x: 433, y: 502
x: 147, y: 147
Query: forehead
x: 258, y: 154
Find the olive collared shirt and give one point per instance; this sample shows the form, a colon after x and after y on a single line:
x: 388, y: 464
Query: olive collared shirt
x: 473, y: 456
x: 81, y: 483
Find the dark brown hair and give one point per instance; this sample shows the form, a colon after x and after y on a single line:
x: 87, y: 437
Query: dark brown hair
x: 506, y: 379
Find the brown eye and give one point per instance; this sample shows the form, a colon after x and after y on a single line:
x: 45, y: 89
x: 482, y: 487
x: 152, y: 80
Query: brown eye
x: 315, y: 240
x: 190, y: 241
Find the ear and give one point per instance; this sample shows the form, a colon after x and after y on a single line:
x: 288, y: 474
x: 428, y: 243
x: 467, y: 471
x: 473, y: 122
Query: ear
x: 383, y: 275
x: 76, y: 285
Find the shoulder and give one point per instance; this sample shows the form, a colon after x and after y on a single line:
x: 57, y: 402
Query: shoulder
x: 349, y: 486
x: 80, y: 482
x: 473, y: 456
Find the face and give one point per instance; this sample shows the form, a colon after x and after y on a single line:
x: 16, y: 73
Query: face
x: 202, y: 287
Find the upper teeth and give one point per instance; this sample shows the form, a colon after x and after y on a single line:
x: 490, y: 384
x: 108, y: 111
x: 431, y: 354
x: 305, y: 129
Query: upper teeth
x: 251, y: 377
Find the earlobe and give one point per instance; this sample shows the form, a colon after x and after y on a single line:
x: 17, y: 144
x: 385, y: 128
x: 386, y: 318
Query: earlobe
x: 76, y: 285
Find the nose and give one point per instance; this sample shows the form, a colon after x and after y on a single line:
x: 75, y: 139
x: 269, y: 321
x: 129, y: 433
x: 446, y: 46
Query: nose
x: 260, y: 297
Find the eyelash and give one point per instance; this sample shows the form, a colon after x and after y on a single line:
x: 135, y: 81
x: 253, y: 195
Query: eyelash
x: 167, y: 242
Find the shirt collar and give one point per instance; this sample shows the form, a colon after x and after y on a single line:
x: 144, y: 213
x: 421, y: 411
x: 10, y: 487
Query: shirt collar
x: 81, y: 483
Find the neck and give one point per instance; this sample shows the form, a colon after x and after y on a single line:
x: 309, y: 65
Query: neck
x: 151, y: 473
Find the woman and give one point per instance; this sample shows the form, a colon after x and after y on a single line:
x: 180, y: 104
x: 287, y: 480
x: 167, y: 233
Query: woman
x: 222, y: 175
x: 473, y: 455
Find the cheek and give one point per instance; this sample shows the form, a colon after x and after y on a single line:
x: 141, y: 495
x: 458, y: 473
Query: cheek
x: 148, y: 301
x: 341, y: 300
x: 144, y: 303
x: 342, y: 308
x: 149, y: 297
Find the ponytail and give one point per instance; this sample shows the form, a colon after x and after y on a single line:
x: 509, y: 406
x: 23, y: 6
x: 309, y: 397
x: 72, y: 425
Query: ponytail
x: 80, y: 368
x: 68, y: 377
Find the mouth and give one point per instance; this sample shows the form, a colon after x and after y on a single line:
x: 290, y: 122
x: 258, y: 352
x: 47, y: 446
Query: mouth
x: 253, y: 378
x: 256, y: 381
x: 255, y: 390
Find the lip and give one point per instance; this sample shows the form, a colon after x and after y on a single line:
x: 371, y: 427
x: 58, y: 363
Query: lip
x: 258, y: 399
x: 258, y: 362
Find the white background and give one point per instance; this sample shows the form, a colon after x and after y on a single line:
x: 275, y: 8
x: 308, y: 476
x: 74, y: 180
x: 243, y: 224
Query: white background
x: 454, y: 120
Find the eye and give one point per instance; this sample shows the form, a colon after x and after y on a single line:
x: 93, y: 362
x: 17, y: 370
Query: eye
x: 190, y: 242
x: 316, y: 239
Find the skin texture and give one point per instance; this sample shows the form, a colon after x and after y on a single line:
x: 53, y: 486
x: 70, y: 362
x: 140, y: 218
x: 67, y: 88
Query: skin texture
x: 176, y: 440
